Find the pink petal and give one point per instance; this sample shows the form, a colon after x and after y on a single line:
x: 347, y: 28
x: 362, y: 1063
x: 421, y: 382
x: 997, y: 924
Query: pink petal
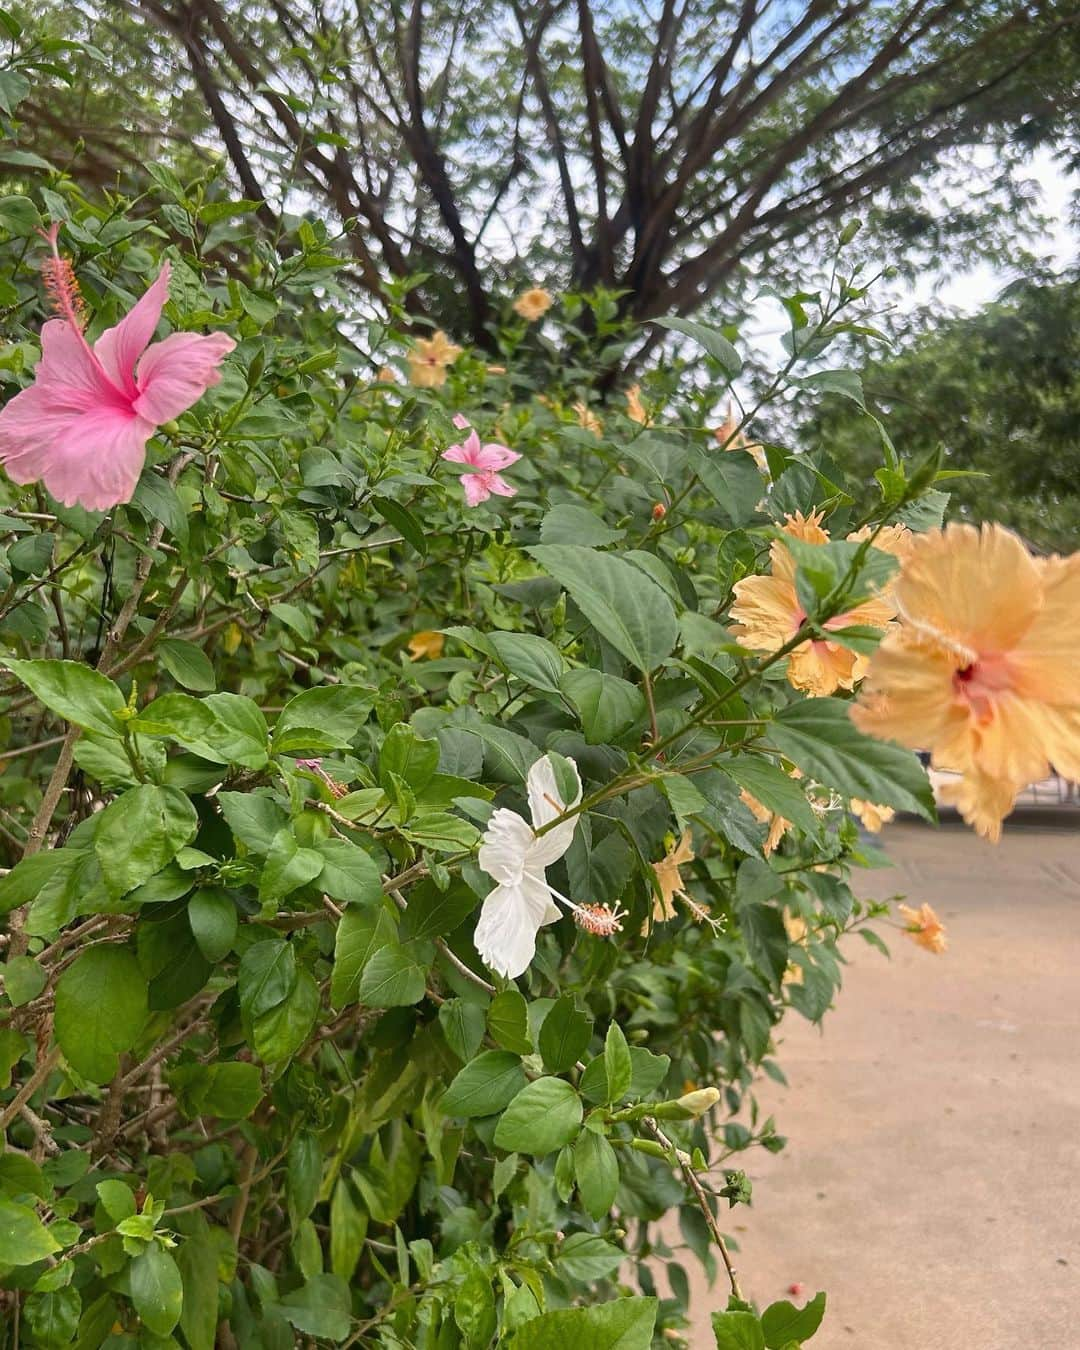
x: 477, y: 488
x: 70, y: 372
x: 176, y: 372
x: 461, y: 421
x: 120, y: 347
x: 497, y: 483
x: 497, y: 457
x: 95, y: 460
x: 457, y: 454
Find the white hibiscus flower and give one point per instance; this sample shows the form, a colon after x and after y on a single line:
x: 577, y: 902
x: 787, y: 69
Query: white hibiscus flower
x: 515, y: 855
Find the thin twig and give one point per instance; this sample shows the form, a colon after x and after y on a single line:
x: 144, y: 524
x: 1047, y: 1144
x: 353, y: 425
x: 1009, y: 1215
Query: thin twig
x: 686, y: 1166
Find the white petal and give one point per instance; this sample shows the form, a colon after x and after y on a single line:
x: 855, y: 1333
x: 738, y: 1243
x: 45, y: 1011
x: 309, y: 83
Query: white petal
x: 509, y: 920
x: 506, y: 841
x: 545, y: 804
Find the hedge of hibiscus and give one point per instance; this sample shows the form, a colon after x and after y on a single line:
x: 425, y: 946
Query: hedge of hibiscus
x: 427, y: 786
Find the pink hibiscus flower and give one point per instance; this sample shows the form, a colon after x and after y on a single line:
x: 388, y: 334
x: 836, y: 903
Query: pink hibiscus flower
x: 81, y: 428
x: 485, y: 461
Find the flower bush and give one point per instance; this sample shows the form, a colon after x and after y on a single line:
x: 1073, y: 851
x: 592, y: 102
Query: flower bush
x: 414, y: 839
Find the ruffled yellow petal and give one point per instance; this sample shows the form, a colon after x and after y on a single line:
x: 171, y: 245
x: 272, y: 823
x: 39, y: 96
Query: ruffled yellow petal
x: 980, y: 588
x: 983, y: 802
x: 766, y: 612
x: 820, y: 668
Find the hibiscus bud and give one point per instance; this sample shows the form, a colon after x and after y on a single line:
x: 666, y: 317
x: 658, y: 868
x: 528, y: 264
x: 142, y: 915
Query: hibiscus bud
x: 659, y: 511
x: 171, y: 427
x: 689, y: 1106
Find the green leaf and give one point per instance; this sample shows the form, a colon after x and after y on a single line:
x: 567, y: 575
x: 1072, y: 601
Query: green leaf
x: 156, y: 499
x: 197, y: 1260
x: 187, y: 664
x: 187, y: 720
x: 393, y: 978
x: 240, y: 735
x: 532, y: 659
x: 18, y: 215
x: 474, y: 1309
x: 819, y: 736
x: 279, y: 1033
x: 571, y: 523
x: 463, y: 1026
x: 233, y: 1091
x: 737, y: 1331
x: 626, y: 608
x: 847, y: 383
x: 266, y: 977
x: 542, y: 1117
x: 29, y: 876
x: 52, y: 1317
x: 441, y: 831
x: 254, y: 817
x: 485, y: 1085
x: 287, y: 867
x: 772, y: 787
x: 321, y: 1307
x: 213, y: 919
x: 508, y: 1022
x: 626, y: 1324
x: 434, y: 913
x: 80, y: 695
x: 141, y: 831
x: 349, y: 874
x: 338, y: 711
x: 157, y: 1289
x: 587, y: 1257
x: 402, y: 519
x: 348, y: 1228
x: 783, y: 1323
x: 24, y: 1239
x: 734, y: 481
x: 597, y: 1171
x: 23, y: 978
x: 360, y: 934
x: 707, y: 338
x: 413, y: 758
x: 564, y: 1035
x: 618, y: 1066
x: 608, y: 707
x: 101, y: 1007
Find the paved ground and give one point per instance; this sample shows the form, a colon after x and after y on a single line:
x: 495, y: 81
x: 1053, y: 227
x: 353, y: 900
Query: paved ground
x: 932, y: 1179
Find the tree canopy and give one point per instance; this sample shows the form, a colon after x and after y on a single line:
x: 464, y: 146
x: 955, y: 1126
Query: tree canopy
x: 1000, y: 392
x: 669, y: 152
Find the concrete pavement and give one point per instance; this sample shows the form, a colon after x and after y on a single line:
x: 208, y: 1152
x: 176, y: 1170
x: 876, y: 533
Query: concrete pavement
x: 931, y: 1183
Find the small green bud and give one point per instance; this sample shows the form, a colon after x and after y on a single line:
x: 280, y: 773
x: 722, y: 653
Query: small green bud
x: 689, y: 1106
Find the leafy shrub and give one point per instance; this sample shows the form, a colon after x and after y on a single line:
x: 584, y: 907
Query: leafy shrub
x: 258, y: 1087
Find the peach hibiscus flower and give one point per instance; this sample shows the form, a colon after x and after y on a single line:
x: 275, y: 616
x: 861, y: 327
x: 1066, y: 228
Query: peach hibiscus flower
x: 924, y: 928
x: 427, y: 645
x: 635, y: 409
x: 778, y: 826
x: 871, y: 815
x: 429, y: 359
x: 768, y: 613
x: 533, y: 304
x: 982, y: 670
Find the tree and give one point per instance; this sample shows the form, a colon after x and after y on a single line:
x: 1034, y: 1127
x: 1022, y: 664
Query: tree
x: 1000, y: 391
x: 669, y: 154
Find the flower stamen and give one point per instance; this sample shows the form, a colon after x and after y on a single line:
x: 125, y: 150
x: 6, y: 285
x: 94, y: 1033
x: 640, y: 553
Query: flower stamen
x: 61, y: 283
x: 600, y: 920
